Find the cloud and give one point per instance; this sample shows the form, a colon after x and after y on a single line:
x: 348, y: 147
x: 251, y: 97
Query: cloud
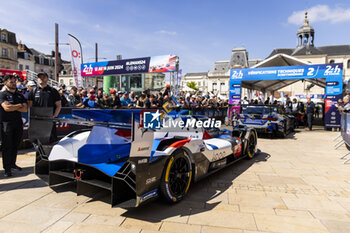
x: 166, y: 32
x: 321, y: 13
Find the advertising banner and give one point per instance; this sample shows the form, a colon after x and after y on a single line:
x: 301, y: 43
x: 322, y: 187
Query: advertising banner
x: 165, y: 63
x: 179, y: 77
x: 332, y: 73
x: 287, y: 72
x: 77, y: 59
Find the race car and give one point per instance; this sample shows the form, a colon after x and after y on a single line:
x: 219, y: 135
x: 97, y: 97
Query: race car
x: 265, y: 119
x: 137, y: 154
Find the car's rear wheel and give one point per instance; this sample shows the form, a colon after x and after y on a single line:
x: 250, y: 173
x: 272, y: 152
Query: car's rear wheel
x: 177, y: 177
x: 251, y: 145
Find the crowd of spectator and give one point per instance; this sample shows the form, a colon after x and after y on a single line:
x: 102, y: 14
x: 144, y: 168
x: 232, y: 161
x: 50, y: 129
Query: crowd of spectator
x: 97, y: 98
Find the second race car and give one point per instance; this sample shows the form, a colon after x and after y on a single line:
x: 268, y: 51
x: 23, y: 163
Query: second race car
x: 265, y: 119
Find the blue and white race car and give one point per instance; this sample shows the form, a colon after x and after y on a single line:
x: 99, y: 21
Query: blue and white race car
x: 137, y: 154
x: 265, y: 119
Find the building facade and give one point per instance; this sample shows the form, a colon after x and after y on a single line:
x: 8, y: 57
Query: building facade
x: 44, y: 63
x: 8, y: 49
x: 25, y: 58
x: 201, y: 80
x: 217, y: 80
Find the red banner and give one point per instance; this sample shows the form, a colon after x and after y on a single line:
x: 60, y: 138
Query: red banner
x: 22, y: 74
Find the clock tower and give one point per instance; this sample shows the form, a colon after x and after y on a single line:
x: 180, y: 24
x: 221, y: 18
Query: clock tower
x: 305, y: 34
x: 239, y: 58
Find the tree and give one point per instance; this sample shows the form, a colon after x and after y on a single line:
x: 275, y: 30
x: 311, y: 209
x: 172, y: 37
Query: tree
x: 192, y: 85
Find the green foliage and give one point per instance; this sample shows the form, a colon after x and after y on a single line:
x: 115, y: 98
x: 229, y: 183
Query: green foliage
x: 192, y: 85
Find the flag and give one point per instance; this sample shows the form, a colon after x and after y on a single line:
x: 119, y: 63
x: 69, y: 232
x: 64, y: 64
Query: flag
x: 77, y: 59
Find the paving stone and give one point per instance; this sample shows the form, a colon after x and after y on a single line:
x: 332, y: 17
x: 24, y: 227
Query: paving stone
x: 93, y: 228
x: 208, y: 229
x: 62, y: 200
x: 293, y: 213
x: 337, y: 226
x: 311, y: 204
x: 256, y: 201
x: 141, y: 224
x: 75, y: 217
x: 99, y: 208
x: 18, y: 227
x: 58, y: 227
x: 224, y: 219
x: 288, y: 224
x: 331, y: 215
x: 7, y: 207
x: 40, y: 217
x: 104, y: 220
x: 224, y: 207
x: 180, y: 228
x: 255, y: 209
x: 150, y: 231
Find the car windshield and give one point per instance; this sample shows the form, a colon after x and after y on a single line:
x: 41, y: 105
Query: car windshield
x: 256, y: 110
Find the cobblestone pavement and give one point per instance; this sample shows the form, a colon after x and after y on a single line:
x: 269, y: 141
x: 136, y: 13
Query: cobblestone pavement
x: 297, y: 184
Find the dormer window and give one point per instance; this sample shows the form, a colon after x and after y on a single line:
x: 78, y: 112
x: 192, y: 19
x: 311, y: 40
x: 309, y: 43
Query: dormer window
x: 3, y: 37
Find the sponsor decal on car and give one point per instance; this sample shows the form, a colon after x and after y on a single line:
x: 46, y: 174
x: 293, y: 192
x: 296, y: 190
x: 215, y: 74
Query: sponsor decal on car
x: 149, y: 195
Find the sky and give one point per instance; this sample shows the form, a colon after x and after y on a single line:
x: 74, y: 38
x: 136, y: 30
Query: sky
x: 199, y: 32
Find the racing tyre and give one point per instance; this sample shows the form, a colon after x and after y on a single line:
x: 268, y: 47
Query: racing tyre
x: 251, y: 145
x: 347, y: 147
x: 177, y: 177
x: 283, y: 134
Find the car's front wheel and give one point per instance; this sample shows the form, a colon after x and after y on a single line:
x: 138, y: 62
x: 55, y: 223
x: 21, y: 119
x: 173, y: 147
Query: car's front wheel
x: 176, y: 177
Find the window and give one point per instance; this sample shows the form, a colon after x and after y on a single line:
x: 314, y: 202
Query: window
x: 199, y: 83
x: 41, y: 61
x: 71, y: 82
x: 215, y: 87
x: 222, y: 87
x: 4, y: 53
x: 349, y: 64
x: 3, y: 37
x: 27, y: 67
x: 331, y: 61
x: 61, y: 81
x: 20, y: 67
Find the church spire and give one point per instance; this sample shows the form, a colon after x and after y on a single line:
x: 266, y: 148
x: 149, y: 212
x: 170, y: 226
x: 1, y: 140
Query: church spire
x: 306, y: 20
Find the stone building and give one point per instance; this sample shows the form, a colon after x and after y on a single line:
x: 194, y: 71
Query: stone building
x: 217, y: 79
x: 25, y: 58
x: 44, y: 63
x: 8, y: 49
x: 200, y: 78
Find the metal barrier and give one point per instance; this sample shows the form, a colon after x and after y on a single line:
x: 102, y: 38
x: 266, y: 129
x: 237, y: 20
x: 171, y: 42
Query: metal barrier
x: 344, y: 135
x: 34, y: 77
